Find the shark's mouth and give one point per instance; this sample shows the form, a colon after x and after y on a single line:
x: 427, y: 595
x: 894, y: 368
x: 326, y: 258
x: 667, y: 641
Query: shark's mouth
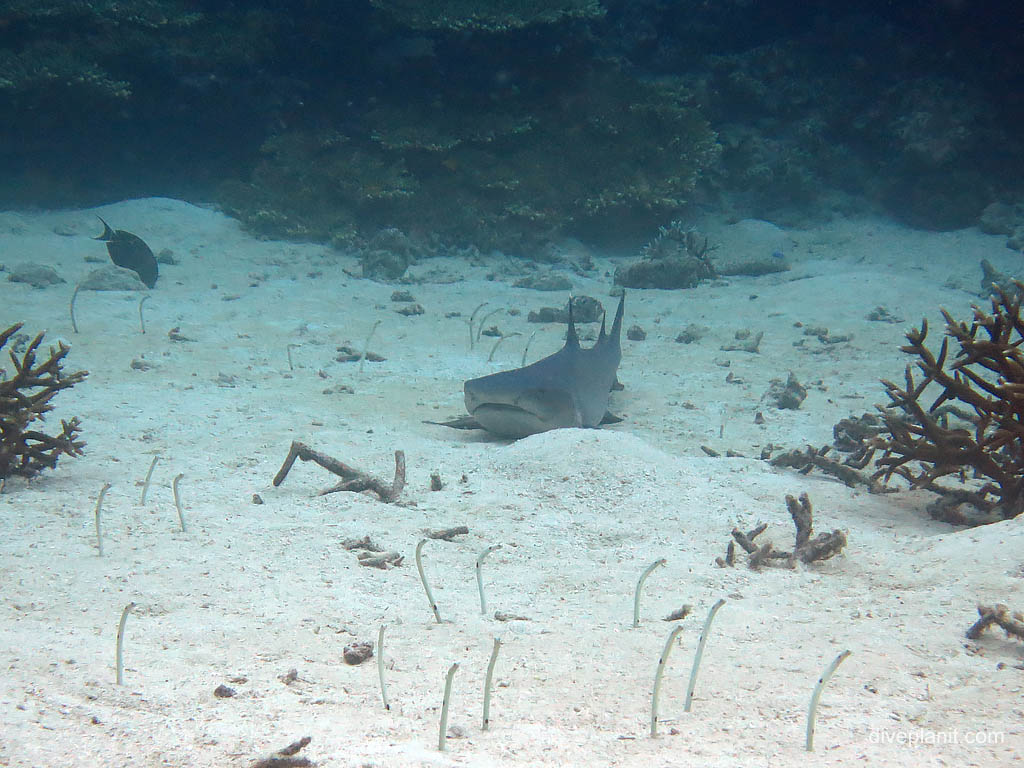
x: 534, y: 411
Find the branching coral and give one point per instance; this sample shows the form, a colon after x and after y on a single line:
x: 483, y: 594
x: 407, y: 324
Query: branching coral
x: 25, y: 398
x: 983, y: 388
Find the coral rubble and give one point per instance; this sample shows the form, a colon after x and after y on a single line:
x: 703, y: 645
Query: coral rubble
x: 1012, y: 624
x: 676, y: 258
x: 288, y: 757
x: 787, y: 394
x: 25, y: 397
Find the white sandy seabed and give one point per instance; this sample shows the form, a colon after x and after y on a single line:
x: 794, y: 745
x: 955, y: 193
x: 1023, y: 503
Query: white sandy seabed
x: 251, y: 592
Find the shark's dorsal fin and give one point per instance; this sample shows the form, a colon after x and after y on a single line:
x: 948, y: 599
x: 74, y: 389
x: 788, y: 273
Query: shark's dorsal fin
x: 601, y: 335
x: 617, y: 323
x: 572, y: 339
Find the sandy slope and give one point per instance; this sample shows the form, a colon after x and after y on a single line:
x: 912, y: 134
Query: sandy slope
x: 252, y: 591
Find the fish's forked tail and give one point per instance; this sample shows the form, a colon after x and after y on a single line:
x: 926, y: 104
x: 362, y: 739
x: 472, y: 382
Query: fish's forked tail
x: 108, y: 233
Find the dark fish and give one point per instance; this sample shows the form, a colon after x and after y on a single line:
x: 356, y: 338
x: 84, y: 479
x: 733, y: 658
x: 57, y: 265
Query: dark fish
x: 131, y: 252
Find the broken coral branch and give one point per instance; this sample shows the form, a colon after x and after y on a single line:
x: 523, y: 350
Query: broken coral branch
x: 288, y: 757
x: 816, y: 458
x: 353, y: 480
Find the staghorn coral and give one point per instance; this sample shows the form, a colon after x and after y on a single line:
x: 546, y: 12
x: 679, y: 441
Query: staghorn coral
x: 982, y: 389
x: 25, y: 398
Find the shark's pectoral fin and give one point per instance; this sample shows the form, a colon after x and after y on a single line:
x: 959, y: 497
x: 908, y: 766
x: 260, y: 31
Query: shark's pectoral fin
x: 462, y: 422
x: 610, y: 418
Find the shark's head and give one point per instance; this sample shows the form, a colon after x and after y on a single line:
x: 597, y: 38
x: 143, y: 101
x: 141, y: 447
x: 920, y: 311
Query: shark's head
x: 506, y: 405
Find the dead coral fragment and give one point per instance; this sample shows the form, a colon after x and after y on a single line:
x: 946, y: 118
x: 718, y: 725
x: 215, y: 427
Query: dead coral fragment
x: 371, y: 554
x: 287, y: 757
x: 747, y: 343
x: 852, y: 433
x: 448, y: 534
x: 679, y: 613
x: 383, y: 560
x: 806, y: 549
x: 986, y: 381
x: 998, y: 614
x: 349, y: 354
x: 388, y: 254
x: 853, y: 436
x: 364, y: 543
x: 585, y: 309
x: 357, y: 653
x: 25, y: 398
x: 788, y: 394
x: 353, y: 479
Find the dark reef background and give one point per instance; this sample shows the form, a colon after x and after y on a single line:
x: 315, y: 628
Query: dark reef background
x: 511, y: 124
